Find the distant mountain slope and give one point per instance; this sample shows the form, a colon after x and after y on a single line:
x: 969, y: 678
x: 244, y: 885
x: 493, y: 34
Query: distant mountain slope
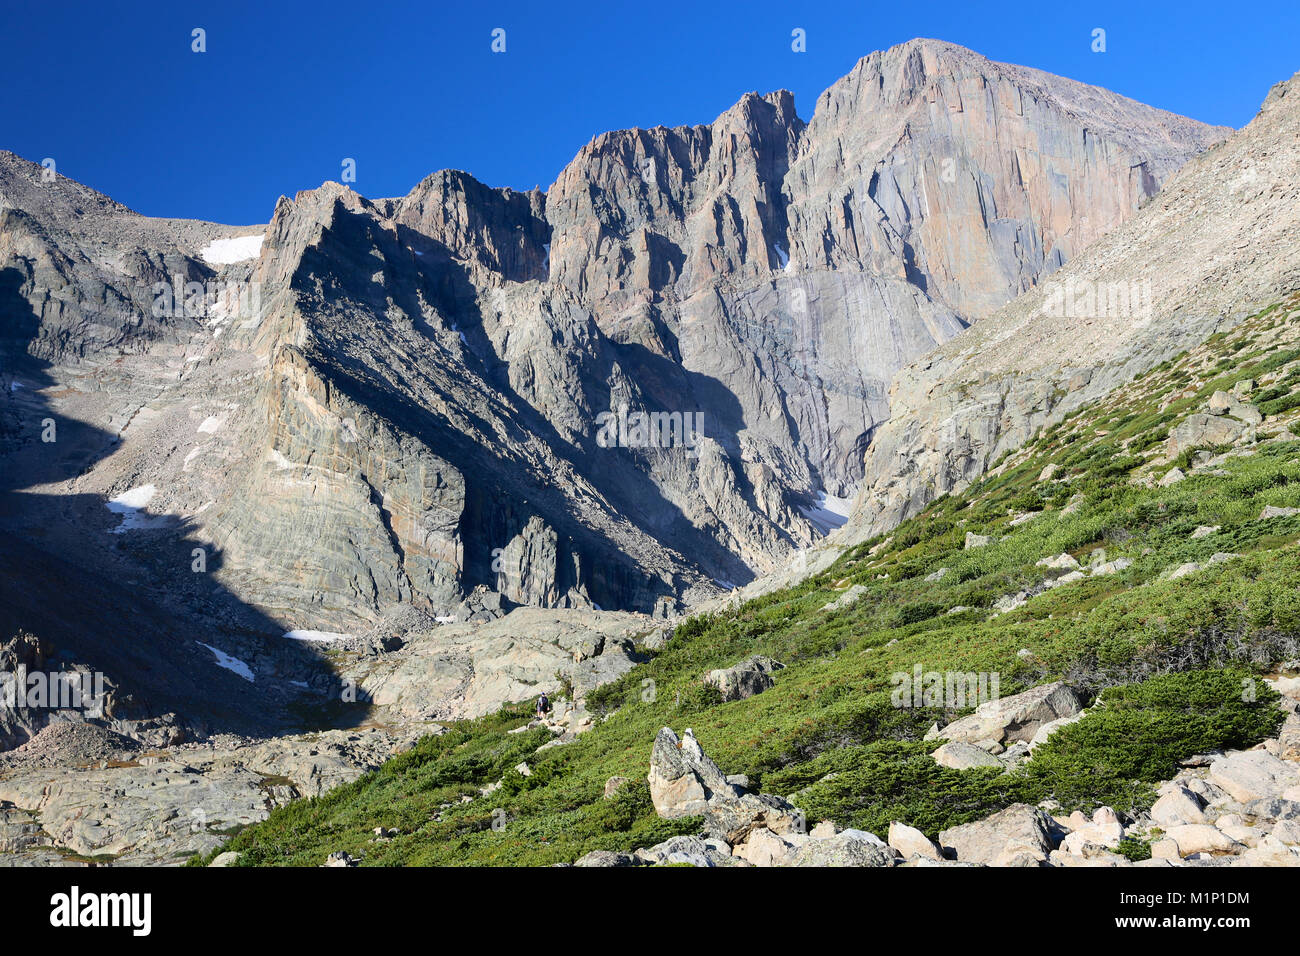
x: 404, y: 401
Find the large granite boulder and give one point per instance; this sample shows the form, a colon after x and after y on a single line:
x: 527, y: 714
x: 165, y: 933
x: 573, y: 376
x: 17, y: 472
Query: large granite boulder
x: 751, y: 676
x: 1020, y: 835
x: 1015, y: 718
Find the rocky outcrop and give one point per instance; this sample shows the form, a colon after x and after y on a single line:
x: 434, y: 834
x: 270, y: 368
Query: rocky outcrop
x: 141, y: 807
x: 751, y: 676
x: 685, y: 782
x: 1015, y: 718
x: 467, y: 670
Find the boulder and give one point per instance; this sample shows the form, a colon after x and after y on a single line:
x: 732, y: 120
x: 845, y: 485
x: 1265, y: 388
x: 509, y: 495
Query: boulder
x: 604, y: 858
x: 1219, y: 403
x: 1273, y: 511
x: 1165, y: 849
x: 1061, y: 562
x: 1113, y: 567
x: 976, y: 540
x: 911, y: 842
x: 613, y: 785
x: 1201, y: 430
x: 1271, y: 809
x: 1017, y: 717
x: 846, y: 848
x: 764, y: 847
x: 959, y: 755
x: 1288, y: 831
x: 685, y: 782
x: 1253, y: 775
x: 1202, y: 838
x: 1020, y: 835
x: 693, y: 850
x: 1178, y: 806
x: 733, y: 819
x: 847, y: 599
x: 682, y: 778
x: 1052, y: 726
x: 1246, y: 836
x: 1088, y: 854
x: 751, y: 676
x: 1204, y: 531
x: 1103, y: 831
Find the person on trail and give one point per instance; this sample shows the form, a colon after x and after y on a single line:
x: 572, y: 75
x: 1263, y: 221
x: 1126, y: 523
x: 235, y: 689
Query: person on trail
x: 543, y: 706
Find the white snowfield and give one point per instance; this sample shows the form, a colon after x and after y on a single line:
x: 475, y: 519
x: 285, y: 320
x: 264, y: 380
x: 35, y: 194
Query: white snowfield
x: 130, y: 505
x: 230, y: 663
x: 223, y: 252
x: 320, y: 636
x: 829, y: 513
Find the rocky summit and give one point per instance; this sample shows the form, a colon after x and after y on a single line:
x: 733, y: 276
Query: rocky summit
x: 906, y: 483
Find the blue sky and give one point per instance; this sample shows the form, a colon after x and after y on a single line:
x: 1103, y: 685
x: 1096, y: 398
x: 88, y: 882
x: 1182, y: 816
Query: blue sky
x: 286, y: 91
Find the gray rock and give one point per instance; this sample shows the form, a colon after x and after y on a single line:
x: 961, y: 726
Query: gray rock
x: 692, y: 850
x: 1020, y: 835
x: 751, y: 676
x: 1015, y: 718
x: 846, y: 848
x: 959, y: 755
x: 1273, y: 511
x: 1253, y: 775
x: 606, y: 858
x: 911, y: 842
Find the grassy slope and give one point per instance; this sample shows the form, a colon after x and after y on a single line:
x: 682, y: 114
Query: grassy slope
x: 827, y: 730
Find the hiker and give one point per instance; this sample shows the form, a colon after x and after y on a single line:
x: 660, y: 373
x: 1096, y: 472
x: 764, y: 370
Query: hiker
x: 543, y: 706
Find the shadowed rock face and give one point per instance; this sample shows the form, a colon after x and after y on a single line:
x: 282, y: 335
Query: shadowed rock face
x: 411, y: 407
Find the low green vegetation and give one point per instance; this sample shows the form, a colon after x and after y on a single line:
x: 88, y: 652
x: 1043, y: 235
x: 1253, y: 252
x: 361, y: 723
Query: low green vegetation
x: 1168, y: 665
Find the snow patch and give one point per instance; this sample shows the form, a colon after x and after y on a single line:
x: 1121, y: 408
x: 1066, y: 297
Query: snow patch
x: 233, y: 664
x: 223, y: 252
x: 278, y: 459
x: 322, y: 637
x: 829, y: 513
x: 210, y: 425
x: 130, y: 505
x: 782, y: 256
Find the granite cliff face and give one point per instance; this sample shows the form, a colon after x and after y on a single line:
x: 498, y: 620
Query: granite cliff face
x: 1216, y: 245
x: 404, y: 399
